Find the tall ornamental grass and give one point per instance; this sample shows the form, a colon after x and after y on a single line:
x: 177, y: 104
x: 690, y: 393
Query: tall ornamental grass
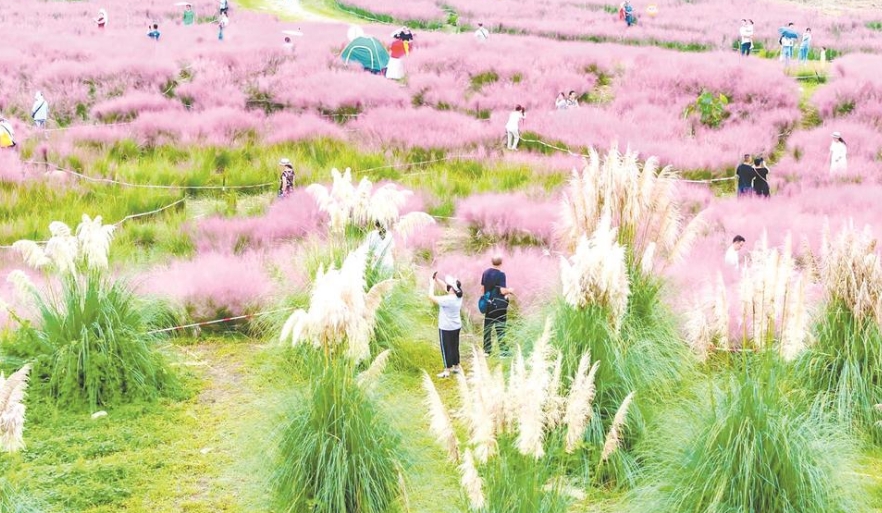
x: 90, y: 341
x: 337, y: 454
x: 844, y: 365
x: 747, y: 442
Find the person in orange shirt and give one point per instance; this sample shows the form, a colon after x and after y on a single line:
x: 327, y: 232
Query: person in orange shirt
x: 397, y: 52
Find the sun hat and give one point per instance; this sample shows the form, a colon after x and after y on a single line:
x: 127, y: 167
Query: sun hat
x: 450, y: 281
x: 836, y: 135
x: 284, y: 162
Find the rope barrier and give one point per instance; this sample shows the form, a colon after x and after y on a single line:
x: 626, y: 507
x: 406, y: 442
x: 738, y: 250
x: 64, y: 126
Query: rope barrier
x: 89, y: 125
x: 218, y: 321
x: 411, y: 164
x: 147, y: 186
x: 126, y: 218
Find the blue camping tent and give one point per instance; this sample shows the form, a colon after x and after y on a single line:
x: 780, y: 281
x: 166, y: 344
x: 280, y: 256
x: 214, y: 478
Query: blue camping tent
x: 367, y: 51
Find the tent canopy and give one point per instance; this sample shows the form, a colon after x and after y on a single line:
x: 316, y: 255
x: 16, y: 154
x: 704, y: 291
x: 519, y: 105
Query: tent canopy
x: 368, y: 52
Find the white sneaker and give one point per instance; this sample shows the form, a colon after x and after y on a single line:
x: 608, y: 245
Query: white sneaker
x: 444, y: 374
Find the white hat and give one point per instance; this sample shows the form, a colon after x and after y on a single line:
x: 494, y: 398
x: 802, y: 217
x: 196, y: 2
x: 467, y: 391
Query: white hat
x: 450, y: 281
x: 837, y: 135
x: 284, y: 162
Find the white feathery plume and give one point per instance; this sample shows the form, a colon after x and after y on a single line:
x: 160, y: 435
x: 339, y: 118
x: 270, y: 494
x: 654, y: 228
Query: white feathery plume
x: 720, y: 326
x: 12, y: 409
x: 368, y: 378
x: 439, y: 421
x: 412, y: 222
x: 32, y: 253
x: 23, y: 285
x: 556, y: 404
x: 697, y: 328
x: 646, y: 262
x: 796, y: 329
x: 472, y: 481
x: 63, y: 252
x: 94, y: 241
x: 59, y: 229
x: 579, y: 408
x: 532, y: 398
x: 614, y: 436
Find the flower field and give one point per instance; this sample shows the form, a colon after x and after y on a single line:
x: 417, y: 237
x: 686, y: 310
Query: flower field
x: 176, y: 335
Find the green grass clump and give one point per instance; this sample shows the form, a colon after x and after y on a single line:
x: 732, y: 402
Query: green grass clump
x: 844, y: 366
x: 337, y: 453
x: 749, y: 443
x: 90, y: 344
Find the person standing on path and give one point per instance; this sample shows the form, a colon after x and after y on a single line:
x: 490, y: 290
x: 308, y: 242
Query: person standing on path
x: 497, y: 293
x: 745, y: 174
x: 838, y: 155
x: 40, y: 110
x: 286, y: 178
x: 449, y: 322
x: 787, y: 43
x: 746, y: 33
x: 189, y: 15
x: 804, y: 46
x: 513, y: 127
x: 222, y: 23
x: 761, y: 180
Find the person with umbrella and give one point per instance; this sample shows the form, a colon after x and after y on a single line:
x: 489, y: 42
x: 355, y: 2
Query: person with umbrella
x: 189, y: 15
x: 788, y: 40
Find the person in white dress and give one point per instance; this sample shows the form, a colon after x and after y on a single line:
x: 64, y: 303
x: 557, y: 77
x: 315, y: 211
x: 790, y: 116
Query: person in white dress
x: 513, y: 127
x: 40, y: 110
x: 838, y: 155
x: 482, y: 34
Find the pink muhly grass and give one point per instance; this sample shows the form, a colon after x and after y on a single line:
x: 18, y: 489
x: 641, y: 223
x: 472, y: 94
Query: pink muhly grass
x: 514, y: 217
x: 290, y: 127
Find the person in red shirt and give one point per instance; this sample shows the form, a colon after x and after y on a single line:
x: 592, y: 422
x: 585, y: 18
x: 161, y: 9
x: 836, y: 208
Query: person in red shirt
x: 397, y: 52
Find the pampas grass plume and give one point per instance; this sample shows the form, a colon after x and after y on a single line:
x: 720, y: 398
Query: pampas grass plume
x: 440, y: 423
x: 614, y: 436
x: 472, y: 481
x: 369, y: 376
x: 579, y: 408
x: 12, y: 409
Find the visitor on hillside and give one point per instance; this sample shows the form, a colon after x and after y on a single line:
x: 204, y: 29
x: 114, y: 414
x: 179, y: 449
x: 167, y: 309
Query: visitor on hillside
x: 40, y: 110
x: 513, y: 127
x: 804, y: 46
x: 397, y: 52
x: 482, y: 34
x: 222, y: 23
x: 288, y: 45
x: 496, y: 295
x: 449, y: 321
x: 380, y: 245
x: 189, y: 15
x: 838, y: 155
x: 787, y: 43
x: 622, y: 11
x: 823, y: 56
x: 630, y: 19
x: 572, y: 101
x: 101, y: 20
x: 153, y: 32
x: 7, y: 134
x: 745, y: 174
x: 560, y: 103
x: 732, y: 257
x: 224, y: 7
x: 761, y: 180
x: 286, y: 178
x: 746, y: 33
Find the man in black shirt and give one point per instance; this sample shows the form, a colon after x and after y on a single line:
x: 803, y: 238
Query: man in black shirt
x: 493, y: 281
x: 745, y: 174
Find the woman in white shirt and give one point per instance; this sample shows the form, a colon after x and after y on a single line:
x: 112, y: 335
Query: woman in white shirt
x: 838, y: 155
x: 449, y: 322
x: 513, y: 127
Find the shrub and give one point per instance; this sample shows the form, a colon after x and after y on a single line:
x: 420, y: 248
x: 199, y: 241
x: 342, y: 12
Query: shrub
x: 710, y: 108
x: 337, y: 453
x: 747, y: 443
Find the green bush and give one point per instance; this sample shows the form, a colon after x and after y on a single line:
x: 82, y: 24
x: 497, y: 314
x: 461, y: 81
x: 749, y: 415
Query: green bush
x: 90, y: 344
x: 710, y: 108
x: 747, y: 442
x: 337, y: 453
x: 844, y: 366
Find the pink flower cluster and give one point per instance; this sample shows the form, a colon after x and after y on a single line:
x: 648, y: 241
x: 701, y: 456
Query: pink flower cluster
x: 513, y: 218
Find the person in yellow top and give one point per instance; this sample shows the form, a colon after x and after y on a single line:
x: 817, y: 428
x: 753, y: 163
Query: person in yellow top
x: 7, y: 134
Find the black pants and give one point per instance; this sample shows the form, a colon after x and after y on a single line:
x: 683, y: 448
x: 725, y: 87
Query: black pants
x: 494, y: 320
x: 449, y: 341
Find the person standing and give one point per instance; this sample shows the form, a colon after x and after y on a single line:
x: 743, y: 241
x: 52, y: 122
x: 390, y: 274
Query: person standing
x: 745, y: 174
x: 482, y: 34
x: 732, y: 257
x: 513, y: 127
x: 761, y: 180
x: 189, y: 15
x: 449, y: 322
x: 7, y: 134
x: 560, y: 103
x: 153, y: 32
x: 572, y: 100
x: 224, y: 7
x: 497, y: 293
x: 838, y: 155
x: 804, y: 46
x: 101, y: 20
x: 630, y: 19
x: 40, y: 110
x: 746, y: 33
x: 787, y: 43
x: 286, y: 178
x: 222, y: 22
x: 397, y: 52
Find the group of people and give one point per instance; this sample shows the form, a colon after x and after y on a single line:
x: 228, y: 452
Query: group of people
x: 566, y: 101
x: 189, y: 18
x: 753, y: 177
x: 788, y: 40
x: 493, y: 304
x: 626, y: 13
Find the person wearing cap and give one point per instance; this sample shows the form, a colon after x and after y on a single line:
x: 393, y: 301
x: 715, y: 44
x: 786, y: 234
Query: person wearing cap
x: 449, y: 321
x: 482, y: 34
x: 7, y: 134
x: 40, y: 110
x: 286, y: 178
x: 497, y: 293
x: 838, y: 155
x: 189, y: 15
